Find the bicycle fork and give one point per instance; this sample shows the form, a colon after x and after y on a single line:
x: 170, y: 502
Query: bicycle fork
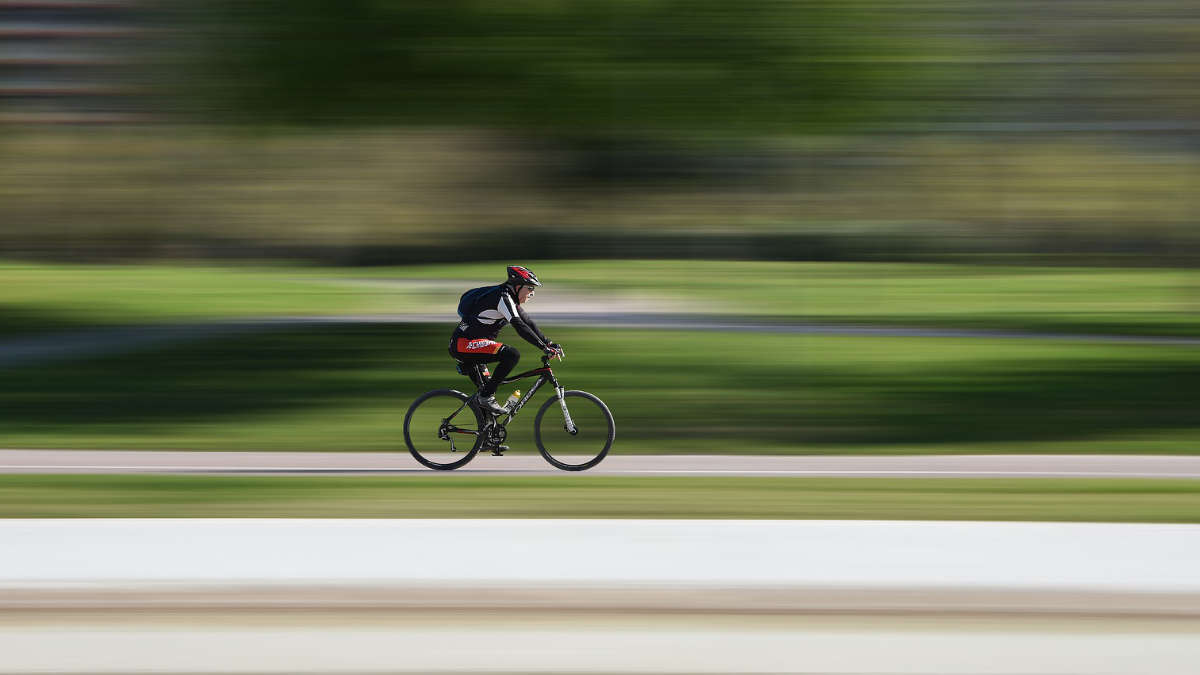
x: 568, y: 423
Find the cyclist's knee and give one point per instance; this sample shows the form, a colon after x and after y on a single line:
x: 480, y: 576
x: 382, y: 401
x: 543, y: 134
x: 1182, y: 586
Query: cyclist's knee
x: 509, y: 354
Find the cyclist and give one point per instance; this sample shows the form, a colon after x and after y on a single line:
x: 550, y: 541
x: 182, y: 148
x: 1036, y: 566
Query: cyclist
x: 484, y: 311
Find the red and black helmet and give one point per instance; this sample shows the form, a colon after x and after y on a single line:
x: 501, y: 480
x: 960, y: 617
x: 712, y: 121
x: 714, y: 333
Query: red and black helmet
x: 521, y: 276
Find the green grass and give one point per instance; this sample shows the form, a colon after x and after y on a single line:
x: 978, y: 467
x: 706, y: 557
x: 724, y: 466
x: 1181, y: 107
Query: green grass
x: 347, y: 387
x: 563, y: 496
x: 39, y: 297
x: 1085, y: 300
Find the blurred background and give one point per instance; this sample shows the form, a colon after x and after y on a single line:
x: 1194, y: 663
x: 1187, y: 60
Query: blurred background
x: 765, y: 227
x: 1024, y: 166
x: 377, y: 132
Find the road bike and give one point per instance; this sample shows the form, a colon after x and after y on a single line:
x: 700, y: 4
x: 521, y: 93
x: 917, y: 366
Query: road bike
x: 444, y: 429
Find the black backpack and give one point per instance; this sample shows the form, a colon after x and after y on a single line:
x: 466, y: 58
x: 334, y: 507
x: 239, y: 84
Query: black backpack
x: 469, y: 299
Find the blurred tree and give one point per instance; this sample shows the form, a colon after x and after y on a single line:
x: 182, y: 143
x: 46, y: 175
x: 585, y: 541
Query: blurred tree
x: 591, y: 66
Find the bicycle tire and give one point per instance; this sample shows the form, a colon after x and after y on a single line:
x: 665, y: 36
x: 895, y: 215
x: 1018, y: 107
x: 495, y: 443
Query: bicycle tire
x: 428, y: 457
x: 557, y: 456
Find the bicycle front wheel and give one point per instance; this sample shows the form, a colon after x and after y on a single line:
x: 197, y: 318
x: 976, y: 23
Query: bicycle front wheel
x: 581, y: 446
x: 441, y: 431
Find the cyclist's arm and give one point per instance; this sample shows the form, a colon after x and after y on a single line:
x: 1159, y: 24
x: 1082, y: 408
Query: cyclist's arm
x: 520, y: 322
x: 532, y: 326
x: 551, y: 348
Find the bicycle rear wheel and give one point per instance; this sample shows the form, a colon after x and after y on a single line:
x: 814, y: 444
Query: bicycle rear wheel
x: 583, y: 447
x: 441, y: 431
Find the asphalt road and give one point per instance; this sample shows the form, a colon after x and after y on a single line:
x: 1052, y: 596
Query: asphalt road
x: 355, y: 463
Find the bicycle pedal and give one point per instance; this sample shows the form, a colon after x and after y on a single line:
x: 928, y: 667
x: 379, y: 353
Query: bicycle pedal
x: 499, y: 450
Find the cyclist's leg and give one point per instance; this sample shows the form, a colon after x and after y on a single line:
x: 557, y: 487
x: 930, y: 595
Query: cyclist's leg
x: 509, y: 356
x: 477, y: 352
x: 471, y: 366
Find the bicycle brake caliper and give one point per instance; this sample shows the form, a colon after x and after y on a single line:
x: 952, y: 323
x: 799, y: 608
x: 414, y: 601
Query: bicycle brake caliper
x: 568, y: 423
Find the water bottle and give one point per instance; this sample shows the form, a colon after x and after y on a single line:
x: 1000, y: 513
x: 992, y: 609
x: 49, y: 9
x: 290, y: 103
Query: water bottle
x: 516, y: 396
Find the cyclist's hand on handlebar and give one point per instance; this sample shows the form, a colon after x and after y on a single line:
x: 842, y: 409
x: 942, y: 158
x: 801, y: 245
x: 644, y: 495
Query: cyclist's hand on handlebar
x: 555, y: 350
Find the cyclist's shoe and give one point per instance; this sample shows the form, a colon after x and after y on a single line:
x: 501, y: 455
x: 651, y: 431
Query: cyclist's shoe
x: 498, y: 450
x: 489, y: 404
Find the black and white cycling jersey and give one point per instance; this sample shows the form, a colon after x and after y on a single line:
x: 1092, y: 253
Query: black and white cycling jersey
x: 488, y: 309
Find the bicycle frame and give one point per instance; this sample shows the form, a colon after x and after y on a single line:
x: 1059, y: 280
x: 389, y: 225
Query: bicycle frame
x: 544, y: 374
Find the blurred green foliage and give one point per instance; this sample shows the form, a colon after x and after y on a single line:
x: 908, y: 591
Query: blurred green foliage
x: 402, y: 196
x: 761, y: 129
x: 672, y: 67
x: 577, y: 66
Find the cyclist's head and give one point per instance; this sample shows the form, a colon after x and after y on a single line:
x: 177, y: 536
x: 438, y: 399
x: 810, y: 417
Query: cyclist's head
x: 520, y: 276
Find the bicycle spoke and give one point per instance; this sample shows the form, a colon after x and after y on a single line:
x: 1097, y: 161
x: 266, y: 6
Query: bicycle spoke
x: 578, y: 437
x: 431, y: 437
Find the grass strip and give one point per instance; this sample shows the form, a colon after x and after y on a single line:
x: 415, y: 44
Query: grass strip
x: 568, y: 496
x: 1081, y: 300
x: 38, y: 297
x: 336, y: 388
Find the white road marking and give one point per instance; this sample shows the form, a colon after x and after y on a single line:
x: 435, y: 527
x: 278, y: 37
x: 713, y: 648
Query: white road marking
x: 1110, y: 557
